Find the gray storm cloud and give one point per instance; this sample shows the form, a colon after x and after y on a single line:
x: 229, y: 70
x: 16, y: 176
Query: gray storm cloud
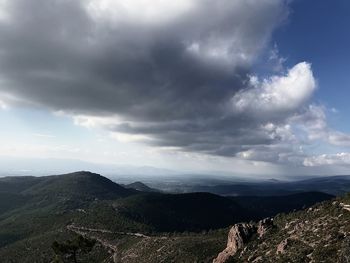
x: 180, y: 73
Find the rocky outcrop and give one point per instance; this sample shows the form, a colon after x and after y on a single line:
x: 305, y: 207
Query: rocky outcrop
x: 282, y: 246
x: 239, y: 235
x: 264, y: 226
x: 345, y: 206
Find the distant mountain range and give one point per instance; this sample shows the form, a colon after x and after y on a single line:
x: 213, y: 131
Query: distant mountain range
x: 42, y: 216
x: 43, y: 166
x: 139, y: 186
x: 334, y: 185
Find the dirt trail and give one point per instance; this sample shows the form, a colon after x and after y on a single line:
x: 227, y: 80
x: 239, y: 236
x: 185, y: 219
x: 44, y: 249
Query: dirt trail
x: 104, y: 231
x: 91, y: 234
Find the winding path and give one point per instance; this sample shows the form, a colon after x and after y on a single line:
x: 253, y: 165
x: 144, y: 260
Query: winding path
x: 89, y: 233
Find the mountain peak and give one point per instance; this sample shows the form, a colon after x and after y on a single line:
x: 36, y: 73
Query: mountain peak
x: 85, y: 184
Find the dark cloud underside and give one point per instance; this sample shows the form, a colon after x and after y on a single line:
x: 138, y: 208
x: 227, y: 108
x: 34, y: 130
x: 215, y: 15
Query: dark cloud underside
x: 173, y: 79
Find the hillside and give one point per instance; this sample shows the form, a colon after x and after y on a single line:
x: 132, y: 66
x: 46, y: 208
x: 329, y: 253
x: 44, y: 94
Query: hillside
x: 182, y: 212
x: 267, y: 206
x: 83, y: 185
x: 14, y: 184
x: 59, y: 192
x: 32, y: 206
x: 104, y: 222
x: 139, y: 186
x: 318, y: 234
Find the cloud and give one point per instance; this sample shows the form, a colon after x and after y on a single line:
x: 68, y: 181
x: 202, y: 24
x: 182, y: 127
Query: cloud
x: 3, y: 106
x: 3, y: 14
x: 328, y: 160
x: 166, y: 69
x: 339, y: 138
x: 140, y: 12
x: 127, y: 138
x: 277, y: 95
x: 43, y: 135
x: 171, y: 74
x: 313, y: 122
x: 62, y: 55
x: 276, y: 60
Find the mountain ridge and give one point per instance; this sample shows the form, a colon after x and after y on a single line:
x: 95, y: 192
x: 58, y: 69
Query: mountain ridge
x: 320, y: 233
x: 65, y: 208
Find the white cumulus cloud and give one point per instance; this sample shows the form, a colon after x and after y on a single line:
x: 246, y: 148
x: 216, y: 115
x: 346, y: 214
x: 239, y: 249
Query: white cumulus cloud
x: 277, y: 94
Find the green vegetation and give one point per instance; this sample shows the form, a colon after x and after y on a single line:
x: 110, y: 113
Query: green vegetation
x: 85, y: 217
x: 70, y: 250
x: 139, y: 186
x: 181, y: 212
x: 317, y: 234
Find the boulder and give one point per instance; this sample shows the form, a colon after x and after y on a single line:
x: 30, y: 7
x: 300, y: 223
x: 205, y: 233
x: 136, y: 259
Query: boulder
x: 239, y: 234
x: 282, y: 246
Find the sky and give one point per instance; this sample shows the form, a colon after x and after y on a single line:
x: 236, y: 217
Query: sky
x: 240, y: 87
